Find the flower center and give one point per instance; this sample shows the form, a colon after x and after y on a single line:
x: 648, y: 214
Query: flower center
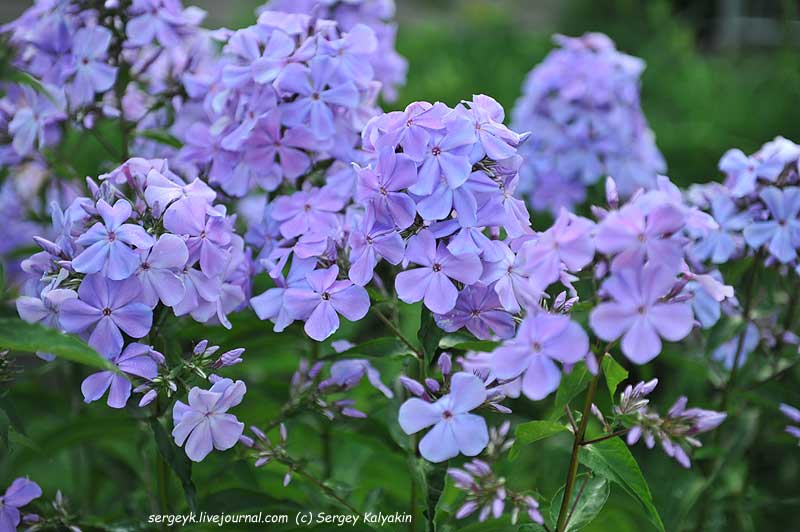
x: 641, y: 310
x: 383, y: 191
x: 307, y: 207
x: 315, y: 96
x: 436, y: 151
x: 326, y: 296
x: 145, y: 266
x: 437, y: 267
x: 536, y: 347
x: 106, y: 311
x: 641, y: 237
x: 111, y: 236
x: 447, y: 414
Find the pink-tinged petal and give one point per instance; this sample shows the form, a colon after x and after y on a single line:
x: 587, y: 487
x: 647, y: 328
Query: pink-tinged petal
x: 268, y: 304
x: 120, y: 392
x: 416, y: 414
x: 570, y: 346
x: 541, y: 378
x: 510, y: 360
x: 135, y: 319
x: 665, y: 220
x: 323, y: 322
x: 466, y: 268
x: 106, y: 338
x: 21, y: 492
x: 199, y: 443
x: 641, y: 343
x: 93, y: 258
x: 467, y: 392
x: 610, y: 320
x: 122, y: 261
x: 76, y: 316
x: 411, y: 285
x: 225, y: 431
x: 673, y: 321
x: 31, y: 309
x: 352, y: 302
x: 95, y: 385
x: 441, y: 294
x: 439, y: 444
x: 169, y: 252
x: 185, y: 422
x: 421, y: 248
x: 470, y: 433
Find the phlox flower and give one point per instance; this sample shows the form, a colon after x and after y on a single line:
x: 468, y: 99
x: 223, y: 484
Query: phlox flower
x: 541, y: 340
x: 21, y: 492
x: 306, y: 210
x: 158, y: 271
x: 204, y: 424
x: 92, y: 73
x: 109, y: 243
x: 638, y: 315
x: 567, y: 244
x: 206, y: 232
x: 432, y: 281
x: 782, y: 230
x: 136, y: 359
x: 270, y: 304
x: 455, y: 430
x: 383, y: 185
x: 348, y: 373
x: 478, y: 309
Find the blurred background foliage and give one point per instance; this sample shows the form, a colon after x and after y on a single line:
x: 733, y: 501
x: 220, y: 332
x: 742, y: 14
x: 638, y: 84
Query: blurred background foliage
x: 707, y: 88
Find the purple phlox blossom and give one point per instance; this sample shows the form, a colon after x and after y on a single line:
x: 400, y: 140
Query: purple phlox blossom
x: 158, y: 271
x: 349, y: 53
x: 21, y: 492
x: 478, y: 309
x: 109, y: 243
x: 270, y: 304
x: 34, y: 119
x: 566, y: 245
x: 638, y: 314
x: 168, y: 194
x: 260, y: 58
x: 318, y: 92
x: 726, y: 353
x: 410, y: 128
x: 471, y: 224
x: 721, y: 244
x: 282, y: 153
x: 509, y: 278
x: 348, y: 373
x: 446, y: 158
x: 160, y: 20
x: 498, y: 142
x: 92, y: 73
x: 306, y: 210
x: 432, y: 281
x: 743, y: 172
x: 794, y: 415
x: 455, y: 430
x: 203, y: 425
x: 382, y: 187
x: 782, y: 230
x: 45, y: 308
x: 105, y: 306
x: 631, y: 236
x: 368, y: 245
x: 135, y: 360
x: 706, y: 304
x: 206, y: 231
x: 325, y: 298
x: 541, y: 340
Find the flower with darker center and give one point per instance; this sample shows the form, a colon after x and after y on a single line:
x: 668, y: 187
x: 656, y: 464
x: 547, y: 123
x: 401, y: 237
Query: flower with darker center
x: 326, y: 296
x: 447, y: 414
x: 106, y: 311
x: 436, y: 151
x: 111, y: 236
x: 307, y: 207
x: 641, y: 310
x: 437, y: 267
x: 315, y: 96
x: 536, y: 347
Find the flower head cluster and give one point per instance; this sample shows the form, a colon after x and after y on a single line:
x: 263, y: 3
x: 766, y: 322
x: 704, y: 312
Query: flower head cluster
x: 386, y: 64
x: 287, y: 94
x: 447, y: 407
x: 675, y: 432
x: 582, y: 106
x: 21, y: 492
x: 433, y: 201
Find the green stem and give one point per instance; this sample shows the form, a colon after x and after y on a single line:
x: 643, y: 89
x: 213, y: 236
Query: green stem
x: 606, y: 437
x: 324, y: 488
x: 397, y: 332
x: 572, y: 472
x: 161, y: 478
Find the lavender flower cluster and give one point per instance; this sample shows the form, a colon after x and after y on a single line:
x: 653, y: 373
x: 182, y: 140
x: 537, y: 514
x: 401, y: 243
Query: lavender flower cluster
x: 581, y: 105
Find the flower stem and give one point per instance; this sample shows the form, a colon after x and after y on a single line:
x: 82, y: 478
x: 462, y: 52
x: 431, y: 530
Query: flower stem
x: 397, y: 332
x: 572, y: 472
x: 614, y: 434
x: 161, y: 476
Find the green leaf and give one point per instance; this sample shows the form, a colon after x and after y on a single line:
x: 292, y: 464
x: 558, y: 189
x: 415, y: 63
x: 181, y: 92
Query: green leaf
x: 571, y: 386
x: 177, y: 460
x: 160, y: 136
x: 377, y: 347
x: 613, y: 460
x: 31, y: 337
x: 5, y: 424
x: 533, y: 431
x: 592, y: 499
x: 429, y: 335
x: 614, y: 374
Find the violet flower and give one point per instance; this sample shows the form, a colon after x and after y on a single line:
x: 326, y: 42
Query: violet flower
x: 136, y: 360
x: 21, y: 492
x: 478, y: 309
